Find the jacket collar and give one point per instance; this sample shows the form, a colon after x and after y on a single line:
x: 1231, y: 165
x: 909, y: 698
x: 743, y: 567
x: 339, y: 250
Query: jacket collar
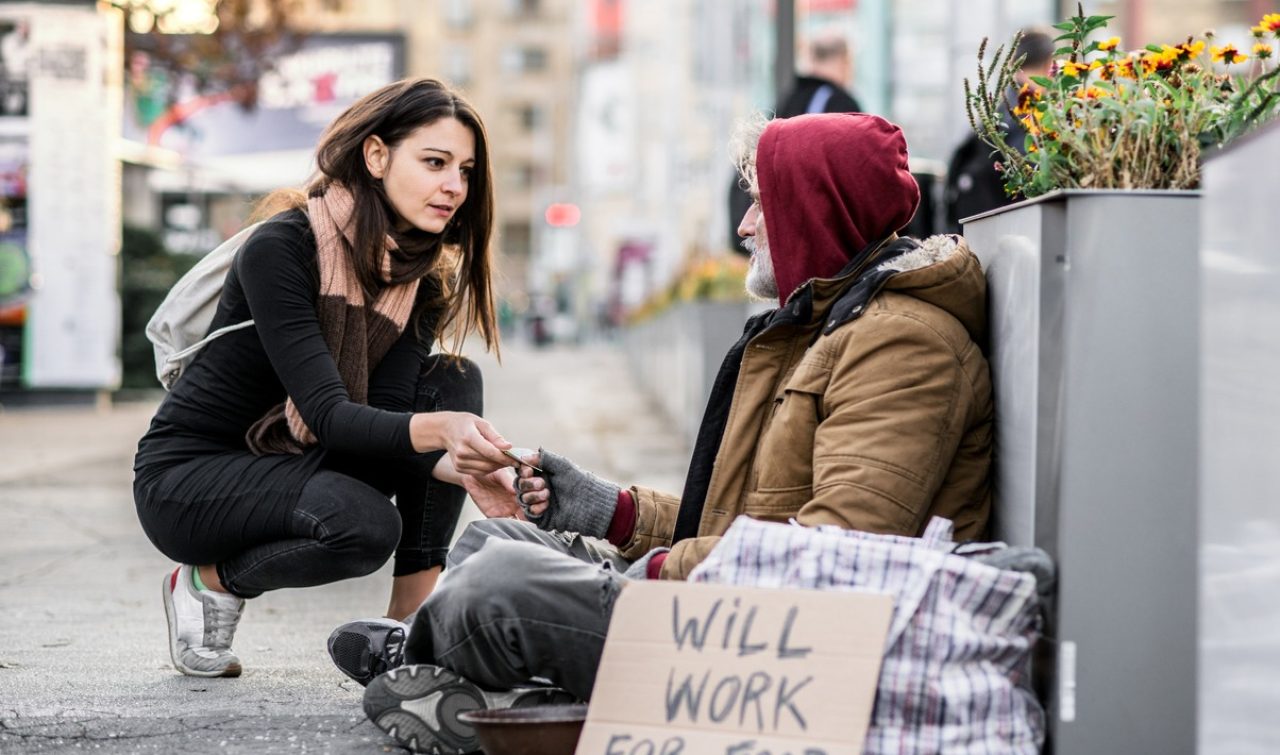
x: 846, y: 294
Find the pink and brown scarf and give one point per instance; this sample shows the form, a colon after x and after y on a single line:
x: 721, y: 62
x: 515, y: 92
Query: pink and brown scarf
x: 358, y: 335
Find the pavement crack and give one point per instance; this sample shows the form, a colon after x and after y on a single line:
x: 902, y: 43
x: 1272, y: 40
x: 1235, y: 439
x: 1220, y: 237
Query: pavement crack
x: 86, y: 734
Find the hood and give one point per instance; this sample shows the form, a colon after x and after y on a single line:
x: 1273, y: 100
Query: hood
x: 942, y: 271
x: 830, y: 184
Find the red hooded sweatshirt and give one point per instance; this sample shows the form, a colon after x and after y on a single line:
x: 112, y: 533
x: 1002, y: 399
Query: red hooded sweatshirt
x: 830, y: 185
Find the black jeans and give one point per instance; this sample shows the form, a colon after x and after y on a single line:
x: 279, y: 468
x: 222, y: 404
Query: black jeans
x: 341, y: 524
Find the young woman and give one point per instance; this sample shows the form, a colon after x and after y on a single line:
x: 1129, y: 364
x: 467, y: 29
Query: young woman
x: 272, y: 461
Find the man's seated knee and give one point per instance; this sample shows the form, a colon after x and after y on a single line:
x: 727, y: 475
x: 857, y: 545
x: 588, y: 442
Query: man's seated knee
x: 480, y: 532
x: 495, y: 576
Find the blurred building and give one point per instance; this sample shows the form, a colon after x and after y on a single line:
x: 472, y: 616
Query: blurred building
x: 661, y: 84
x: 514, y: 60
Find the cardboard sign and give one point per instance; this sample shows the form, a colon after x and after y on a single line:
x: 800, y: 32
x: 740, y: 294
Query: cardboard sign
x: 696, y: 669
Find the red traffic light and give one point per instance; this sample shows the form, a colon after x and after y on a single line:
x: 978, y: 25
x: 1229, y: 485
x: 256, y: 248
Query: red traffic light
x: 563, y: 215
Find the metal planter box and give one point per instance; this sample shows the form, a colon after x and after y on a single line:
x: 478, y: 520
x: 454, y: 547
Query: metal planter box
x: 1094, y: 314
x: 1240, y: 473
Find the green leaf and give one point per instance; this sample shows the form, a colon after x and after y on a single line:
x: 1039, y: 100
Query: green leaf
x: 1043, y: 81
x: 1063, y: 51
x: 1155, y: 48
x: 1065, y: 26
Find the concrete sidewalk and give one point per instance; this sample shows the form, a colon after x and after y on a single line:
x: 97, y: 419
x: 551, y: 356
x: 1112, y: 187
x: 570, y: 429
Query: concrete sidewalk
x: 83, y: 651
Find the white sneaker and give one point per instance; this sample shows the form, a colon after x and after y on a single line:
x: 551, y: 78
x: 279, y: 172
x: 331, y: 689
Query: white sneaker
x: 202, y: 624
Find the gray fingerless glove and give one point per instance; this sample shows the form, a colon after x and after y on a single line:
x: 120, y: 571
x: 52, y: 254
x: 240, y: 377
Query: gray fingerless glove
x: 580, y: 501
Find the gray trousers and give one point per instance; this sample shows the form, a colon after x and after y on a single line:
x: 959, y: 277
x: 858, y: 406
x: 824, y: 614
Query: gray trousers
x: 516, y: 603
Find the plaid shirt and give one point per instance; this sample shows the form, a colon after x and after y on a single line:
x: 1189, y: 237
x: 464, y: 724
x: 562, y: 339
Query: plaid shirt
x: 955, y: 677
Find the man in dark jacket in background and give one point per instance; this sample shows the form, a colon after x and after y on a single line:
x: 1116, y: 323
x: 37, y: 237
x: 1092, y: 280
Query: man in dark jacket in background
x: 973, y: 184
x: 825, y: 88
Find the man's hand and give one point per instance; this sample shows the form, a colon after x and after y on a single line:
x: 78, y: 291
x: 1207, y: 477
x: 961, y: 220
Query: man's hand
x: 494, y: 494
x: 567, y: 498
x: 532, y: 489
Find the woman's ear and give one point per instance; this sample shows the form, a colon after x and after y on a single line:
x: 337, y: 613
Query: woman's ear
x: 376, y: 156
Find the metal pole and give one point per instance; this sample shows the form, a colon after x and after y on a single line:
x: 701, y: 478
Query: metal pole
x: 784, y: 62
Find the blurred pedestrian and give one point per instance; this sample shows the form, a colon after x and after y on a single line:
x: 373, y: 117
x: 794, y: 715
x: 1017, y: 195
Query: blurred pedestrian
x: 973, y: 184
x: 862, y: 402
x: 272, y: 461
x: 824, y: 89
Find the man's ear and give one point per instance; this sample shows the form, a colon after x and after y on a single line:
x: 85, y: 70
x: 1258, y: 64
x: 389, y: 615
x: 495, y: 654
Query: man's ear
x: 376, y: 156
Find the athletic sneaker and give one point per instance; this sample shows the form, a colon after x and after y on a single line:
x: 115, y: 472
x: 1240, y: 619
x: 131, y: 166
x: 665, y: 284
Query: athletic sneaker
x: 366, y: 648
x: 418, y: 705
x: 202, y: 624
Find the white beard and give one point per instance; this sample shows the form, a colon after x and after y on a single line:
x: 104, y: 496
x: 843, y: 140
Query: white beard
x: 761, y: 282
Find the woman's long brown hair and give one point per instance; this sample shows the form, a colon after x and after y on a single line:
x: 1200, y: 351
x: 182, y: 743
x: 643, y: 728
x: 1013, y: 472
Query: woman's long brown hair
x: 391, y: 114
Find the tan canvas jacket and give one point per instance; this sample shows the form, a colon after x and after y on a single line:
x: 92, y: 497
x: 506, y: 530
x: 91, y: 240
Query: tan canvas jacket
x: 878, y: 425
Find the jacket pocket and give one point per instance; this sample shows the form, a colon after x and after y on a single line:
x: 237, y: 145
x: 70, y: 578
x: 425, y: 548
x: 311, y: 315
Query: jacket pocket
x: 784, y: 462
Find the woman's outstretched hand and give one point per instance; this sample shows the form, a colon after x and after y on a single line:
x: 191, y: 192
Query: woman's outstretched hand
x: 473, y: 445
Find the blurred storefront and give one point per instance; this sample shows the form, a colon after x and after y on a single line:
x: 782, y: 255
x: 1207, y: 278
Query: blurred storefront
x: 202, y: 157
x: 60, y: 76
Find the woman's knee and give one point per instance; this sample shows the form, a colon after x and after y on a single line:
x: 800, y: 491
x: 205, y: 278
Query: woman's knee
x: 357, y: 523
x: 450, y: 384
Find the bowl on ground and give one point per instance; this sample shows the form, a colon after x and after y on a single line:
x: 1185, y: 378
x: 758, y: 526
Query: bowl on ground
x: 540, y: 730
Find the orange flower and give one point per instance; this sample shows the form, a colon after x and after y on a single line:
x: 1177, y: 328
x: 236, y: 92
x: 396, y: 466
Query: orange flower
x: 1228, y: 54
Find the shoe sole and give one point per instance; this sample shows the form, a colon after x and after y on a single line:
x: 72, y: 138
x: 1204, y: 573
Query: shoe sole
x: 419, y: 707
x: 174, y: 655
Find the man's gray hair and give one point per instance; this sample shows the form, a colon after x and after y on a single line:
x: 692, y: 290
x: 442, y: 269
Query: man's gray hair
x: 742, y: 148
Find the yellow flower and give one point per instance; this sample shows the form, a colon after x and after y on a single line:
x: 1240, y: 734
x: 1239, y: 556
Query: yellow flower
x: 1109, y: 44
x: 1126, y: 68
x: 1227, y: 54
x: 1028, y: 95
x: 1262, y: 51
x: 1188, y: 50
x: 1271, y: 22
x: 1076, y: 69
x: 1258, y: 30
x: 1162, y: 61
x: 1090, y: 93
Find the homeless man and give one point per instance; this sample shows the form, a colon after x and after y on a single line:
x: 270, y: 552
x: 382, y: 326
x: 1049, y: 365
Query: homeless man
x: 863, y: 401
